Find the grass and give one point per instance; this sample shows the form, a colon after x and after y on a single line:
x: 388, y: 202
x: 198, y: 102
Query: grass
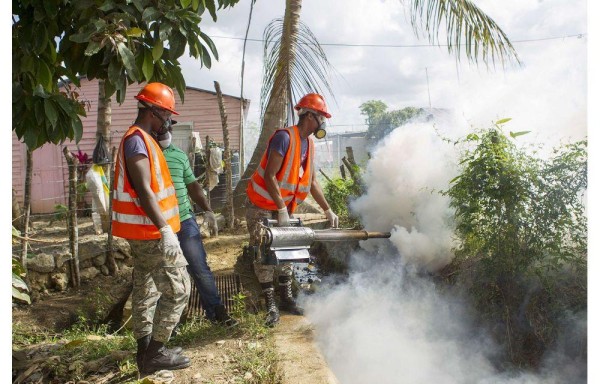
x: 83, y: 343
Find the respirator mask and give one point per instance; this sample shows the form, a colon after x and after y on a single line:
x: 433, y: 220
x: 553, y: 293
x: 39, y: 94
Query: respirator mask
x: 320, y: 132
x: 165, y: 139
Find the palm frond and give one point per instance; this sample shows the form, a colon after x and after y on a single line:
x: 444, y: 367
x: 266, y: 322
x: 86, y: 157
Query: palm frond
x: 468, y: 30
x: 294, y: 63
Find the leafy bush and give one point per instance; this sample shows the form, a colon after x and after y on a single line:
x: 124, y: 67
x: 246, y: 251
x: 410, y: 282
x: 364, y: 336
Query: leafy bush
x: 339, y: 192
x: 522, y: 229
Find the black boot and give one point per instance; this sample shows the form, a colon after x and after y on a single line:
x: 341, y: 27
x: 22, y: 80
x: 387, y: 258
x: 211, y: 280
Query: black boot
x: 223, y: 318
x: 142, y: 346
x: 272, y: 311
x: 288, y: 303
x: 158, y: 357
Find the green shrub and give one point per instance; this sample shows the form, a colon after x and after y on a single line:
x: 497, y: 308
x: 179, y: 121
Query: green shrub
x: 339, y: 192
x: 522, y: 230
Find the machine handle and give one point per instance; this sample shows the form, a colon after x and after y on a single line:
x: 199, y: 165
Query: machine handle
x: 272, y: 222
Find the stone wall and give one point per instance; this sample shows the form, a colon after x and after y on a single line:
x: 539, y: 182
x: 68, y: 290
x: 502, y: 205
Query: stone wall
x: 51, y: 270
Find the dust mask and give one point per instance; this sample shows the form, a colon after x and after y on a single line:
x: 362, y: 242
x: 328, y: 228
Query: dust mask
x: 165, y: 140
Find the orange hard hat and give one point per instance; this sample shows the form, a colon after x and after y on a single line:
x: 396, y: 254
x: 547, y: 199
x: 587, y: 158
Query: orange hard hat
x: 159, y: 95
x: 315, y: 102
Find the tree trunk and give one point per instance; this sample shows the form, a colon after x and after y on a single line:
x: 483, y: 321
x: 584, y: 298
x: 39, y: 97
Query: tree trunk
x: 275, y: 112
x: 110, y: 258
x: 104, y: 114
x: 26, y: 208
x: 72, y: 217
x: 228, y: 209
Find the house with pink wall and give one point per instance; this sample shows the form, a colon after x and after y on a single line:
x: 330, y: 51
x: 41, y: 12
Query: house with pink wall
x: 199, y: 114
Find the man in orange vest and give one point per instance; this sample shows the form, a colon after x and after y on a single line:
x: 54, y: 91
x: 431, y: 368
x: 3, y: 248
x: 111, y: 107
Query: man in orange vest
x: 283, y: 180
x: 145, y: 212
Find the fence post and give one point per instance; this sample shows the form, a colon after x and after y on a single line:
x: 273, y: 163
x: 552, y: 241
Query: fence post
x: 110, y: 258
x: 228, y: 210
x: 72, y: 217
x: 26, y: 208
x: 206, y: 168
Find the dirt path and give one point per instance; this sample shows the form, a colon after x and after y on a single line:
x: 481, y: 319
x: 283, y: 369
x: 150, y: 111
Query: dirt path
x: 298, y: 358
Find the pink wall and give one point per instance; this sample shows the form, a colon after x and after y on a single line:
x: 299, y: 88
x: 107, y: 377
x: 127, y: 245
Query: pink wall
x: 200, y: 108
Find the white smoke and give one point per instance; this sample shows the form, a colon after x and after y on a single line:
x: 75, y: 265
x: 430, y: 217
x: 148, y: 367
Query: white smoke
x: 388, y: 323
x: 409, y: 169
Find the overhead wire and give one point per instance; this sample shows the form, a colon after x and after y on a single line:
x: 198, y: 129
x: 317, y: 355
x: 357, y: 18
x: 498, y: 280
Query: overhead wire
x: 577, y: 35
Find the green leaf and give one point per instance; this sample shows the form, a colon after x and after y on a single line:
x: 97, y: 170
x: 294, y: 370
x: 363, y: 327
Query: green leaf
x: 151, y: 14
x: 51, y: 112
x: 92, y: 48
x: 205, y: 56
x: 177, y: 44
x: 44, y: 76
x: 19, y: 283
x: 77, y: 129
x: 114, y: 71
x: 31, y: 136
x: 138, y: 5
x: 185, y: 3
x: 502, y: 121
x: 517, y: 134
x: 51, y: 8
x: 455, y: 179
x: 157, y: 50
x: 16, y: 294
x: 135, y: 32
x: 107, y: 6
x: 164, y: 31
x: 41, y: 39
x: 210, y: 44
x: 109, y: 88
x: 210, y: 5
x: 195, y: 4
x: 148, y: 65
x: 27, y: 64
x: 128, y: 59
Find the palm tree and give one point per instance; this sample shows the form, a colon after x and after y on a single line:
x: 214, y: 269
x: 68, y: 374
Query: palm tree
x: 295, y: 63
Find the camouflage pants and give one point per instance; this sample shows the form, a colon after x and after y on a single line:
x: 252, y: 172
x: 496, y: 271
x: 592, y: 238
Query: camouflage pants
x: 155, y: 278
x: 254, y: 216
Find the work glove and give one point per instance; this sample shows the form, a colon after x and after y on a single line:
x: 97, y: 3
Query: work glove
x: 334, y: 221
x: 211, y: 220
x: 169, y: 244
x: 283, y: 217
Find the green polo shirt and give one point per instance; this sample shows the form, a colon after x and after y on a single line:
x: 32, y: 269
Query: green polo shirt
x: 182, y: 175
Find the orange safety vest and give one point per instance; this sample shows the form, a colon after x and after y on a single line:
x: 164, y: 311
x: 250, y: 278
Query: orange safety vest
x: 128, y: 217
x: 292, y: 187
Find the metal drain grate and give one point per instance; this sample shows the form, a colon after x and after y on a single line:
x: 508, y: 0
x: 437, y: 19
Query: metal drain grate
x: 228, y: 286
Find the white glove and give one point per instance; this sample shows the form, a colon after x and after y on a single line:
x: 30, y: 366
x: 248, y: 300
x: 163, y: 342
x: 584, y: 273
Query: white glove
x: 283, y: 217
x: 211, y: 220
x: 169, y: 243
x: 334, y: 221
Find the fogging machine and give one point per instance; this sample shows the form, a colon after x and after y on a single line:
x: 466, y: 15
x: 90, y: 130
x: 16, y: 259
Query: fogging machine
x: 280, y: 245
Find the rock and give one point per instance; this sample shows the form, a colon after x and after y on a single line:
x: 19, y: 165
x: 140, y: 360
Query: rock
x: 197, y: 378
x: 61, y: 257
x: 104, y: 270
x: 99, y: 260
x: 220, y: 343
x: 41, y: 262
x: 37, y: 281
x: 121, y: 246
x: 60, y: 281
x: 247, y: 375
x: 92, y: 247
x: 88, y: 273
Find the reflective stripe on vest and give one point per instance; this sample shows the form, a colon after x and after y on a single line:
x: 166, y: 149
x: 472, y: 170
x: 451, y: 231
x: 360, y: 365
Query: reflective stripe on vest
x: 292, y: 187
x: 129, y: 219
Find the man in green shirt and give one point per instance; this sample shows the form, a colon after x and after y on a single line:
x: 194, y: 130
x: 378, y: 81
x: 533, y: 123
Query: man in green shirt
x: 185, y: 184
